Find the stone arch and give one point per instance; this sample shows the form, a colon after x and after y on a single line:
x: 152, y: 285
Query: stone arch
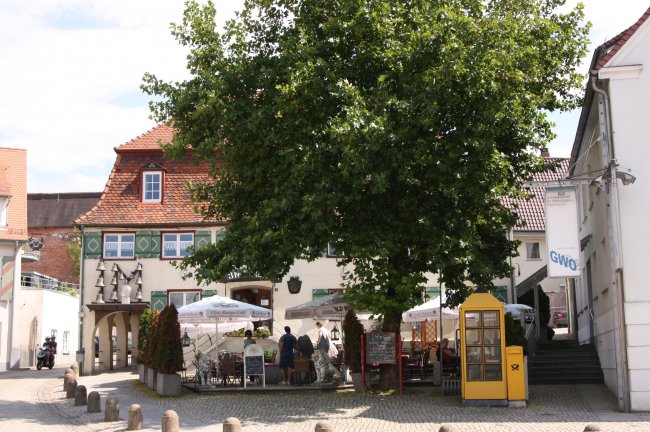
x: 111, y: 349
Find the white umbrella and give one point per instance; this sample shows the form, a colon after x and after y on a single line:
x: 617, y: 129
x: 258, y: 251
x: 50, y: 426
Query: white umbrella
x: 429, y: 311
x: 330, y: 307
x: 217, y: 310
x: 196, y: 330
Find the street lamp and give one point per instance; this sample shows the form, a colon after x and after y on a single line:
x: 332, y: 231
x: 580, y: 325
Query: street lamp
x: 335, y: 333
x: 186, y: 339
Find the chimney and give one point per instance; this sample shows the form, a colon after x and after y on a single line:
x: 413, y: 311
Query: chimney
x: 545, y: 153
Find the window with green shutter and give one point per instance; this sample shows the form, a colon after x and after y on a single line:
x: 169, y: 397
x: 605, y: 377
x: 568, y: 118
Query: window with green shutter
x: 92, y: 245
x: 208, y: 293
x: 432, y: 292
x: 221, y: 234
x: 202, y: 239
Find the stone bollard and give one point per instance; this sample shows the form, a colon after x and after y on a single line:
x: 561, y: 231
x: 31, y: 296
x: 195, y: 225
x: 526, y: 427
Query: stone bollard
x: 134, y: 419
x: 80, y: 396
x: 72, y: 389
x: 170, y: 422
x: 592, y: 428
x: 93, y: 402
x: 322, y: 427
x: 447, y: 428
x: 67, y: 377
x: 112, y: 410
x: 232, y: 424
x: 75, y: 369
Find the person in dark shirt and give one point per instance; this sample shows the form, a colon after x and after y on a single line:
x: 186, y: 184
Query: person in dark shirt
x: 287, y: 343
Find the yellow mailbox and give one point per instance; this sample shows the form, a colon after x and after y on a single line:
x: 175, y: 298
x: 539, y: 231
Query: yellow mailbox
x: 483, y: 368
x: 516, y: 375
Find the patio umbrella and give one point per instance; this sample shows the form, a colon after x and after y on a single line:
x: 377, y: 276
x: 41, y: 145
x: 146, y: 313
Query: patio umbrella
x: 330, y: 307
x: 429, y: 311
x: 218, y: 310
x: 196, y: 330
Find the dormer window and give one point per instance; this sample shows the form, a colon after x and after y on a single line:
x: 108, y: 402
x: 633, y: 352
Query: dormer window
x: 152, y: 186
x: 4, y: 204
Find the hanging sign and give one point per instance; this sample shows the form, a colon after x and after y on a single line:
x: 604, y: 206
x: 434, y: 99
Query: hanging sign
x: 562, y: 232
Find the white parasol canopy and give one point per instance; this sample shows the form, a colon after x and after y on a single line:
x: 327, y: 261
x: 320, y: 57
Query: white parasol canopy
x: 330, y: 307
x: 218, y: 309
x: 196, y: 330
x: 429, y: 311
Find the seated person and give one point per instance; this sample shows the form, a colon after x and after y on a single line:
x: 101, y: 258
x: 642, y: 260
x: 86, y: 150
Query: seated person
x: 450, y: 358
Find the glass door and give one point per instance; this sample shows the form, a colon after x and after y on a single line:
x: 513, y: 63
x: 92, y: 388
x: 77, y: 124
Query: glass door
x: 483, y: 342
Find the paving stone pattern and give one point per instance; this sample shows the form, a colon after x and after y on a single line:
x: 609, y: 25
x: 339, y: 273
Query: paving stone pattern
x: 34, y: 400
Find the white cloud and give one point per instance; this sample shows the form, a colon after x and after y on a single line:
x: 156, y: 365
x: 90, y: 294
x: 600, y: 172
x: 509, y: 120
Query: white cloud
x: 71, y: 71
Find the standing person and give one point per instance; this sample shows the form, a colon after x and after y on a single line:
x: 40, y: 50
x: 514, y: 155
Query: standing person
x: 323, y: 341
x: 287, y: 343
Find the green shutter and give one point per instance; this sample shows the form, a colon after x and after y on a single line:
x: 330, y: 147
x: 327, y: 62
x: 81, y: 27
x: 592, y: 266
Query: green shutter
x: 147, y: 244
x: 208, y: 293
x: 93, y: 245
x: 202, y: 239
x: 317, y: 293
x: 432, y: 292
x: 158, y: 300
x: 7, y: 270
x: 501, y: 293
x: 221, y: 234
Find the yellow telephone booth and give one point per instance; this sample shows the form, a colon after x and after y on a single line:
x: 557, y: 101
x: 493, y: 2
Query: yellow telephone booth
x: 482, y: 344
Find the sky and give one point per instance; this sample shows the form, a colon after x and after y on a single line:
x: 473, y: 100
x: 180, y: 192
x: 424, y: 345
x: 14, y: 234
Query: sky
x: 70, y: 75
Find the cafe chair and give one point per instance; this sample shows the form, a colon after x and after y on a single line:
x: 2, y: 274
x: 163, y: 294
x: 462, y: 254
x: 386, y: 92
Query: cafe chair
x: 229, y: 373
x: 302, y: 370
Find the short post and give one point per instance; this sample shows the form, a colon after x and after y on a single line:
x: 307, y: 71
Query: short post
x: 72, y: 389
x: 232, y: 424
x: 75, y: 369
x: 592, y: 428
x: 134, y: 420
x: 322, y: 427
x: 170, y: 421
x: 67, y: 377
x: 94, y: 402
x: 80, y: 396
x: 447, y: 428
x: 112, y: 410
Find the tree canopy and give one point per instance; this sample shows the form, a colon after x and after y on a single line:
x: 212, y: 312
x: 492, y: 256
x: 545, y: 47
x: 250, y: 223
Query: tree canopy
x: 391, y: 130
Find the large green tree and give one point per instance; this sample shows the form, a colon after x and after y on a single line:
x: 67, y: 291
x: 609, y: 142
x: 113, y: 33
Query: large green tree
x: 389, y: 129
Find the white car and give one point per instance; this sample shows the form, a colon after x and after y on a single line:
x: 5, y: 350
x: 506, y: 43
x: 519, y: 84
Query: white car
x: 517, y: 309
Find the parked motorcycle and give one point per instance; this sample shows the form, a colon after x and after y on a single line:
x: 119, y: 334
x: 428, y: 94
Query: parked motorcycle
x: 45, y: 356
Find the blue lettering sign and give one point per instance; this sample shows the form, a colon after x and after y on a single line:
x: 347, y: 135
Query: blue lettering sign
x: 563, y: 260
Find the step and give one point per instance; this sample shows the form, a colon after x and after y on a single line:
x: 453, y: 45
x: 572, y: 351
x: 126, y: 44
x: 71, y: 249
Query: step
x: 554, y: 380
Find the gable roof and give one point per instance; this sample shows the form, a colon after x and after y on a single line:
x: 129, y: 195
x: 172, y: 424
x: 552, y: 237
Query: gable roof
x: 58, y: 209
x: 531, y: 212
x: 120, y: 204
x: 602, y: 55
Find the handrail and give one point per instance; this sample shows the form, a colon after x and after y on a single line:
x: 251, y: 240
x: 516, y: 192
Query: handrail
x: 38, y: 282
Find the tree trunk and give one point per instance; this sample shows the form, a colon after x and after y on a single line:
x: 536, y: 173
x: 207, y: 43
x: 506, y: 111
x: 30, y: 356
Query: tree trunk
x: 389, y: 375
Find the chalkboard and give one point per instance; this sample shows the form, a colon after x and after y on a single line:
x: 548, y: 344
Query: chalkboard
x: 380, y: 348
x: 254, y: 365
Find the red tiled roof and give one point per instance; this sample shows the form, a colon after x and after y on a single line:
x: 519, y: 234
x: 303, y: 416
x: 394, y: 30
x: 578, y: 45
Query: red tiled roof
x: 612, y: 46
x: 531, y: 212
x: 149, y: 140
x: 120, y: 202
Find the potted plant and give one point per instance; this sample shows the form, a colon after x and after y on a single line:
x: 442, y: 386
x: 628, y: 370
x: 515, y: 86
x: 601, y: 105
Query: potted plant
x: 149, y: 347
x: 168, y: 353
x: 143, y: 334
x: 352, y: 331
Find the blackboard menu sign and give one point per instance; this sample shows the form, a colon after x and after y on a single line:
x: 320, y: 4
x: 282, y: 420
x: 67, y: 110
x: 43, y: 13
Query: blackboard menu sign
x: 254, y: 365
x: 380, y: 348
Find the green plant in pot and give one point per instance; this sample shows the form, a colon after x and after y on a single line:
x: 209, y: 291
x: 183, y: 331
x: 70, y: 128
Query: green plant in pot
x: 352, y: 331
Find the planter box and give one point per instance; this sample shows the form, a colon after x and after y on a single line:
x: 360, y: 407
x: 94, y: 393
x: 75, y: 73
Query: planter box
x: 272, y: 373
x: 168, y: 384
x: 142, y: 373
x: 151, y: 379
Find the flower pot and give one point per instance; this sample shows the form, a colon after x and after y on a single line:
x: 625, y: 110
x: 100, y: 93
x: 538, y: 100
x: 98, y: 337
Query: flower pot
x: 168, y: 384
x: 142, y: 373
x: 151, y: 378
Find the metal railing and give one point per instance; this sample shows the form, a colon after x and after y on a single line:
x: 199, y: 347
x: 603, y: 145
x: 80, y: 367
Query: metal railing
x: 40, y: 282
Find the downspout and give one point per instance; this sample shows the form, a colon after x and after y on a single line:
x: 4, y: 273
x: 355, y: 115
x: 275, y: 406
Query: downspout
x: 81, y: 296
x: 615, y: 249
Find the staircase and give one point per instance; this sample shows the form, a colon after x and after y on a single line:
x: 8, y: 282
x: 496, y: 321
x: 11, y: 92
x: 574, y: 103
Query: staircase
x: 564, y: 362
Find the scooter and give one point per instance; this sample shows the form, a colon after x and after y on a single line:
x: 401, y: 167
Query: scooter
x: 45, y: 357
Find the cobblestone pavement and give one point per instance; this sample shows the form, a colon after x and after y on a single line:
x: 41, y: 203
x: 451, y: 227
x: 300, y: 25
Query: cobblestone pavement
x: 34, y: 400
